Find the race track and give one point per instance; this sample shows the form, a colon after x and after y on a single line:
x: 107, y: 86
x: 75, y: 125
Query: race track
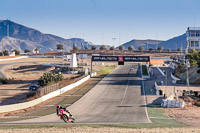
x: 116, y: 99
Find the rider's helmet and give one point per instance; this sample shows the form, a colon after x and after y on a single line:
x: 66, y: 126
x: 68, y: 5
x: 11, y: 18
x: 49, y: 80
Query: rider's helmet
x: 58, y: 106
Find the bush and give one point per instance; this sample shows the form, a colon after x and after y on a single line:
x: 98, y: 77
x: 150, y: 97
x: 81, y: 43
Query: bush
x: 3, y: 80
x: 198, y: 71
x: 49, y: 78
x: 144, y: 70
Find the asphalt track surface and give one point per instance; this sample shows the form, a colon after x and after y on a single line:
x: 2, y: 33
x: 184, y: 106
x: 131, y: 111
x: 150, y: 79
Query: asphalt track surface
x: 118, y: 98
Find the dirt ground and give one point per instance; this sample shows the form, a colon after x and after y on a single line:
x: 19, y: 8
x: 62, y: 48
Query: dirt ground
x: 22, y: 75
x: 187, y: 115
x: 102, y: 130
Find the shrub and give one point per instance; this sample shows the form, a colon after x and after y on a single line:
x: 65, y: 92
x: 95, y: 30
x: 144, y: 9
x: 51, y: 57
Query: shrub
x: 49, y: 78
x: 144, y: 70
x: 3, y: 80
x: 198, y: 71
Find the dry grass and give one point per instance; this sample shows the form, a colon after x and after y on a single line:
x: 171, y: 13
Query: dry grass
x: 101, y: 130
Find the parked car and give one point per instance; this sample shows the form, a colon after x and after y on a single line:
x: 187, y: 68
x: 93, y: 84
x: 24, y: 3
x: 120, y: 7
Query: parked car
x: 34, y: 87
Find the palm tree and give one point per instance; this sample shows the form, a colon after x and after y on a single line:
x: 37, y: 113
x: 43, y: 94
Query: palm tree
x: 17, y: 52
x: 103, y: 47
x: 150, y: 50
x: 60, y: 47
x: 121, y: 48
x: 160, y: 49
x: 141, y: 48
x: 5, y: 52
x: 86, y: 47
x: 27, y: 51
x: 179, y: 49
x: 112, y: 48
x: 36, y: 50
x: 130, y: 48
x: 93, y: 47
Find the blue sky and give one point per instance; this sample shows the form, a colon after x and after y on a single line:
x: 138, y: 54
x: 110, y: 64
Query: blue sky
x: 99, y: 21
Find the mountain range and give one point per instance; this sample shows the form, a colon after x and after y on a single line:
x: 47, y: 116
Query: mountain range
x: 173, y: 43
x: 17, y: 36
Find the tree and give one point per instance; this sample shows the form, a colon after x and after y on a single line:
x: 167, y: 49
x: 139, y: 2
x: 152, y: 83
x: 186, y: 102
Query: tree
x: 121, y: 47
x: 93, y: 47
x: 17, y: 52
x: 150, y: 49
x: 60, y: 47
x: 27, y: 51
x: 36, y: 50
x: 179, y: 49
x: 86, y: 47
x: 103, y: 47
x: 141, y: 48
x: 194, y: 57
x: 112, y: 48
x: 1, y: 53
x: 49, y: 78
x: 160, y: 48
x: 5, y: 52
x: 169, y: 50
x: 75, y: 48
x: 131, y: 48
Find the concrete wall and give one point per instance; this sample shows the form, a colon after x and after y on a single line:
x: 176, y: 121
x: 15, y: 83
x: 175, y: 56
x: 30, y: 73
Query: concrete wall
x: 18, y: 106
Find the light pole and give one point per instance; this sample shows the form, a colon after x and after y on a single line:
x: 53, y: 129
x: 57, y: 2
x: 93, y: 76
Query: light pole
x: 188, y: 83
x: 82, y: 56
x: 113, y: 43
x: 102, y: 38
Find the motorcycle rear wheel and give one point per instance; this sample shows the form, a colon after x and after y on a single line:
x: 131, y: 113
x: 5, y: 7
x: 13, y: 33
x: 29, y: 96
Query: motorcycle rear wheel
x: 65, y: 118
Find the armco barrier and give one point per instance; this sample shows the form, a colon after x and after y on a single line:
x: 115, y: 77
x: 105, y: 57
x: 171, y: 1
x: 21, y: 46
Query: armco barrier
x: 18, y: 106
x: 15, y: 58
x: 174, y: 78
x: 157, y: 89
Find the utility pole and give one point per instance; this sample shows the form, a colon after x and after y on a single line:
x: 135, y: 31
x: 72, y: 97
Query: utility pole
x: 188, y: 83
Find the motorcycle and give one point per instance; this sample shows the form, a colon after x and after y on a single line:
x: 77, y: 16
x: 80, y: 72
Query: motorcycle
x: 65, y: 116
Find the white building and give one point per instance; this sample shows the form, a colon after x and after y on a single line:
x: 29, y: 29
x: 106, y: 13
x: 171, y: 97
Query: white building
x: 193, y: 38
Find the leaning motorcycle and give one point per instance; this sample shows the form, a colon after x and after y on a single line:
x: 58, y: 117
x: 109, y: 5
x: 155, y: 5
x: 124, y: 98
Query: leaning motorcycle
x: 65, y: 116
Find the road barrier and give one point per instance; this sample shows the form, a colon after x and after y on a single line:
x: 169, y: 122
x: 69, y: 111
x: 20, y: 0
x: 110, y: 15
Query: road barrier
x: 19, y: 106
x: 174, y: 78
x: 15, y: 58
x: 172, y: 104
x: 157, y: 89
x: 160, y: 71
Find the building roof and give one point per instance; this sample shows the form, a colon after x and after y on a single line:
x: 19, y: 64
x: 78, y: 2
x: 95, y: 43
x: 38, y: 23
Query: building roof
x: 193, y: 28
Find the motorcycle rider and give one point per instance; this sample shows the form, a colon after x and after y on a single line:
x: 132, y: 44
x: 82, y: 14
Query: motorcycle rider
x: 65, y: 110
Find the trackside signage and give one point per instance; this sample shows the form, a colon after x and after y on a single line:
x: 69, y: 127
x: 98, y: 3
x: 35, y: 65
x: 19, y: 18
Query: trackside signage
x: 122, y: 58
x: 104, y: 58
x: 137, y: 58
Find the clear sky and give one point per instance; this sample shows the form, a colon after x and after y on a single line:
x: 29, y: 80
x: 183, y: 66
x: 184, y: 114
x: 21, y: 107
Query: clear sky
x: 99, y: 21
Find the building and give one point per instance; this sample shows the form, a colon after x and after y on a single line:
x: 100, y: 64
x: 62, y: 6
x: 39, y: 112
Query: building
x: 193, y: 38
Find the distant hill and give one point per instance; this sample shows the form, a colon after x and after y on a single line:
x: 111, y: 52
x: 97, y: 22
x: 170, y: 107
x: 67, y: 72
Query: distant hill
x: 145, y: 43
x: 173, y: 43
x: 21, y: 38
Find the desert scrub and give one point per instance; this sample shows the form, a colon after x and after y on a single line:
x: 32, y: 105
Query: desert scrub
x: 144, y: 70
x: 3, y: 81
x: 49, y: 77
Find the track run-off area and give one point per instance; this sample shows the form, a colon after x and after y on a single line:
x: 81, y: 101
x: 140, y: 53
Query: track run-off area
x: 117, y: 98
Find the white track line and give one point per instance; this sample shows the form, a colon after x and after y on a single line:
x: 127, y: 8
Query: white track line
x: 125, y: 92
x: 145, y: 97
